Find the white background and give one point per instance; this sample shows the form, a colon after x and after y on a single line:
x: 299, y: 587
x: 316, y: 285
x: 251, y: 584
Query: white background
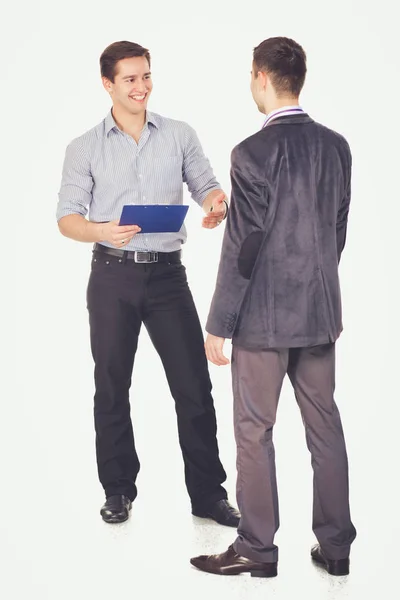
x: 53, y: 544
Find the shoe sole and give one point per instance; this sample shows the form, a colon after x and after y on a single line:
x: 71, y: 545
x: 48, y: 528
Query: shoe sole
x: 215, y: 520
x: 232, y: 571
x: 116, y: 521
x: 263, y: 574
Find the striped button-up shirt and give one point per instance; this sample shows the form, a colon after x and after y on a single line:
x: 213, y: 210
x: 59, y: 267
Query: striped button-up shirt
x: 105, y: 168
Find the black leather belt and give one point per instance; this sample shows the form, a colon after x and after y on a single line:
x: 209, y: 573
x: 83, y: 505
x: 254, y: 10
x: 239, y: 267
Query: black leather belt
x: 138, y: 256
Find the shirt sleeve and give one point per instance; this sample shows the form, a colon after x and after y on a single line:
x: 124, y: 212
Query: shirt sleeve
x: 197, y: 172
x: 75, y: 192
x: 243, y: 236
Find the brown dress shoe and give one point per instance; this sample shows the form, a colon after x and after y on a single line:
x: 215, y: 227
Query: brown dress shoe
x: 334, y: 567
x: 230, y: 563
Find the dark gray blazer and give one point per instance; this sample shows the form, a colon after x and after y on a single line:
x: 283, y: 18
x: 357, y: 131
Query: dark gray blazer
x: 278, y: 283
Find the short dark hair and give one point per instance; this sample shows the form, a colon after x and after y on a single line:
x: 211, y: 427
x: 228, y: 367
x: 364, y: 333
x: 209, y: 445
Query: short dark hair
x: 116, y: 52
x: 284, y: 60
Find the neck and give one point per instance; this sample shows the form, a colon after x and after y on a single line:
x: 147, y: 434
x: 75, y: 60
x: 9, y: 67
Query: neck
x: 279, y: 103
x: 128, y: 122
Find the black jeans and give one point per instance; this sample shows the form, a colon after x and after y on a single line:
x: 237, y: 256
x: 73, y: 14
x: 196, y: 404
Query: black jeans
x: 120, y: 297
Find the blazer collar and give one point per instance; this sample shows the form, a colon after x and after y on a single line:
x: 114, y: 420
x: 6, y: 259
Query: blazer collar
x: 290, y: 120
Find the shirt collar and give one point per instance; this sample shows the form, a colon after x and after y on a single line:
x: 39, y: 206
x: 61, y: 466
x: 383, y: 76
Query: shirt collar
x: 290, y: 109
x: 111, y: 124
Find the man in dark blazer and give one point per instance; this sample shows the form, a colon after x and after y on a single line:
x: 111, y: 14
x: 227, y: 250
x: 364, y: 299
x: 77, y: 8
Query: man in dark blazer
x: 277, y: 297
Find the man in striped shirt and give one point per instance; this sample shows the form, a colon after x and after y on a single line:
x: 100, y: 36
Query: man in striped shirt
x: 136, y: 157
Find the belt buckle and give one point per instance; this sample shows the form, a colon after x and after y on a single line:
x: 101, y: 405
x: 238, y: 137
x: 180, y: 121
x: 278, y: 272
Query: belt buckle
x: 145, y: 257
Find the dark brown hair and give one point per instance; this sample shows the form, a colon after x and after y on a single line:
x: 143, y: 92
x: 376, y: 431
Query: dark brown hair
x: 116, y: 52
x: 284, y: 60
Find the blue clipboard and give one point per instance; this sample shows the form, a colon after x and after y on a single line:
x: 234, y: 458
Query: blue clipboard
x: 154, y: 218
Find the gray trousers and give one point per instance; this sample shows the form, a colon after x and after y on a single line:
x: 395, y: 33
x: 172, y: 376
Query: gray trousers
x: 257, y: 382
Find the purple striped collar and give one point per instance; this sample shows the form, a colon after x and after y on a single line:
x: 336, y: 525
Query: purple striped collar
x: 282, y: 112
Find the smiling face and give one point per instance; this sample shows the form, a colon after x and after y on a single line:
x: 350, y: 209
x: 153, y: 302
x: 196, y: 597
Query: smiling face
x: 132, y: 85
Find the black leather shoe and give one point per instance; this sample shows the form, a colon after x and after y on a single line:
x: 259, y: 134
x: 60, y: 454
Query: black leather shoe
x: 334, y: 567
x: 222, y: 512
x: 231, y: 563
x: 116, y: 509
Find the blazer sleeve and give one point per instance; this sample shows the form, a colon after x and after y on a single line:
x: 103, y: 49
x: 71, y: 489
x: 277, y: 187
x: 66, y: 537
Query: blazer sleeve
x: 242, y: 240
x: 343, y: 212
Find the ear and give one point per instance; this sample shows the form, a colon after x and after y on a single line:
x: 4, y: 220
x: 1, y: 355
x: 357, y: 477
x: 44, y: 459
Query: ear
x: 107, y: 84
x: 263, y: 79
